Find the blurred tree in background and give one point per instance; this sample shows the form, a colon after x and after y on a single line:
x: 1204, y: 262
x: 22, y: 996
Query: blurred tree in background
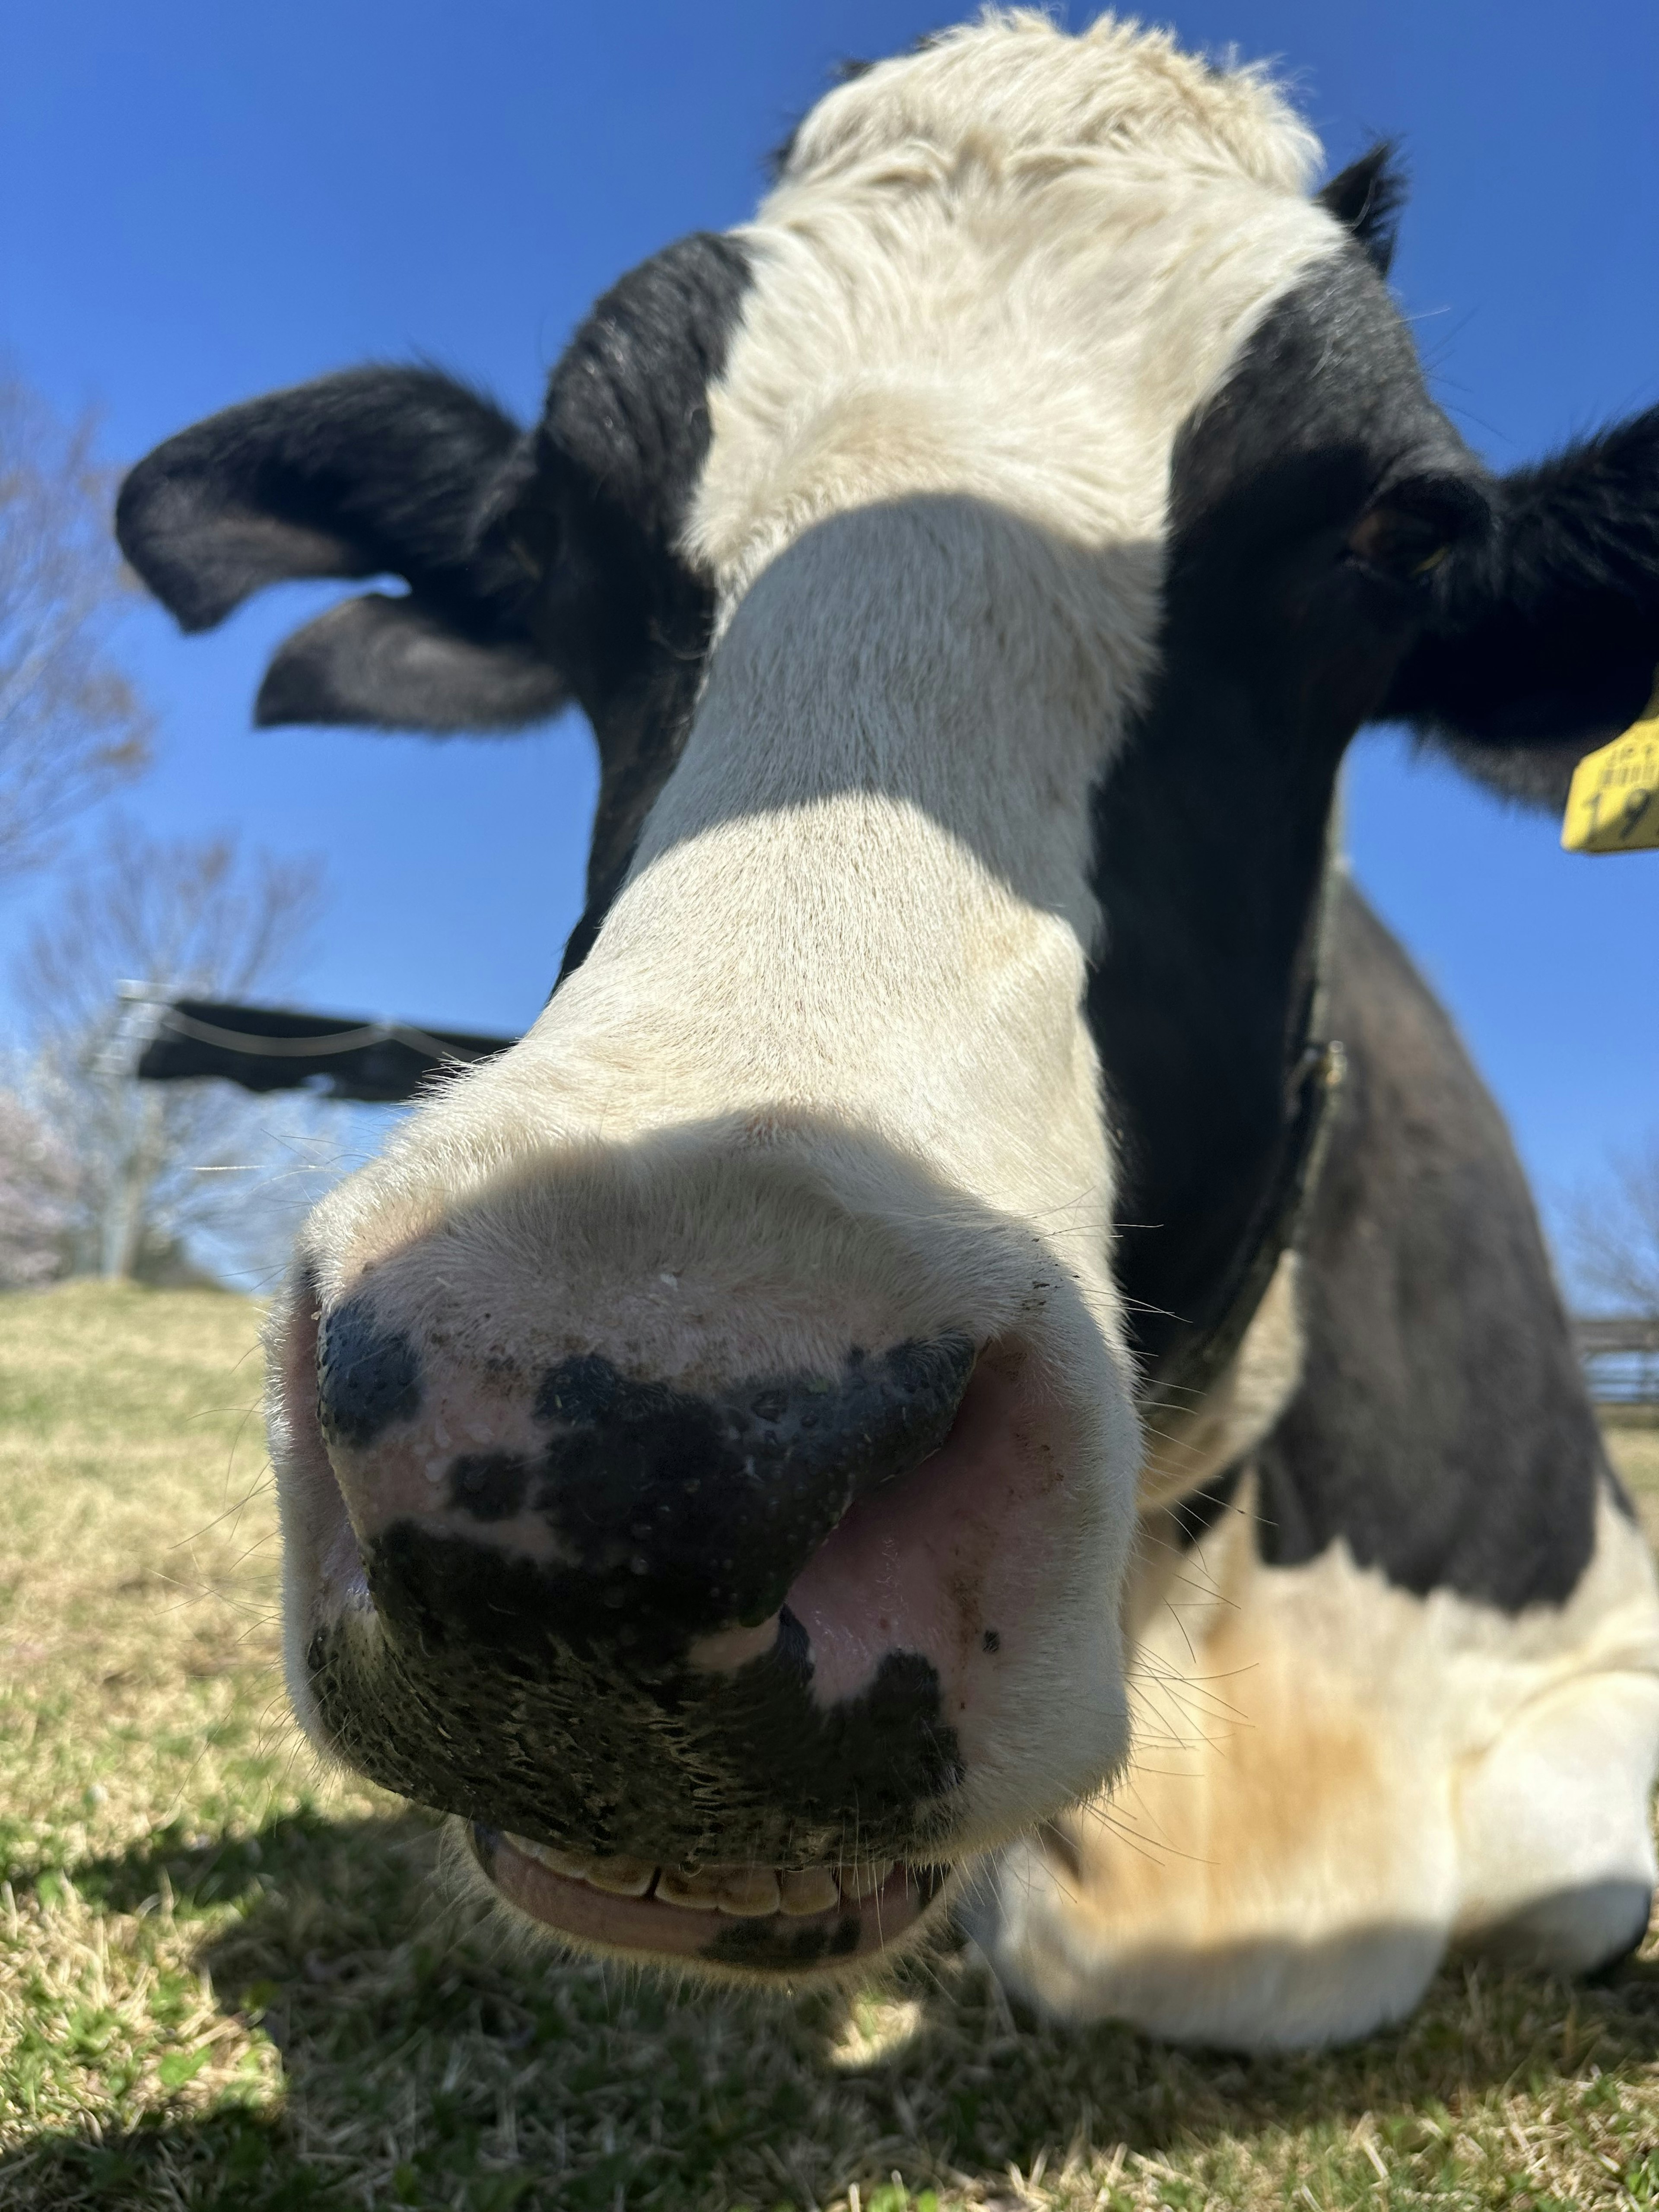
x: 37, y: 1191
x: 1613, y: 1233
x: 99, y: 1174
x: 71, y: 725
x: 163, y: 1169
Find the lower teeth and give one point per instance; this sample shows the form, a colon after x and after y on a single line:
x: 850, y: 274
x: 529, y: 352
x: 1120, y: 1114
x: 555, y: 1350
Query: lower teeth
x: 745, y: 1892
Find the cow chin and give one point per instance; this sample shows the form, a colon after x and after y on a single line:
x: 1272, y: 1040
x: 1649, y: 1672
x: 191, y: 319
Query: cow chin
x: 728, y: 1669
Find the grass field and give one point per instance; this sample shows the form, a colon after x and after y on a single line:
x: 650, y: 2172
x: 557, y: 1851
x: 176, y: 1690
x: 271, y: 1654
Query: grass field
x: 228, y: 1980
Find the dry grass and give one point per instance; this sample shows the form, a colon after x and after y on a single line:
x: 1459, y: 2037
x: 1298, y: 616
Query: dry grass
x: 229, y: 1981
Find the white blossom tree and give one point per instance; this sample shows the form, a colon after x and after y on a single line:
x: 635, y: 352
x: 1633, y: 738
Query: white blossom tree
x: 37, y: 1196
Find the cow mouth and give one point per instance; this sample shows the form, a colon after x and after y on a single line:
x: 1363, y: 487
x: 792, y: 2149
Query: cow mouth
x: 879, y: 1716
x: 756, y: 1919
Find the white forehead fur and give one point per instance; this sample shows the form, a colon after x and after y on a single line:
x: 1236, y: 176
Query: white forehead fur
x: 1006, y: 266
x: 1019, y: 85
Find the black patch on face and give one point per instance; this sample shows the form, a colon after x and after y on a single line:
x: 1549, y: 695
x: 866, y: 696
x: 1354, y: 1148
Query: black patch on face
x: 1442, y: 1431
x: 489, y: 1485
x: 471, y: 1693
x: 991, y: 1641
x: 1210, y: 826
x: 691, y: 1513
x: 558, y: 1699
x: 594, y: 507
x: 368, y: 1377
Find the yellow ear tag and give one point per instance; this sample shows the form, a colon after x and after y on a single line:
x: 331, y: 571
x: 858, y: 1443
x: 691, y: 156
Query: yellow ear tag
x: 1613, y: 803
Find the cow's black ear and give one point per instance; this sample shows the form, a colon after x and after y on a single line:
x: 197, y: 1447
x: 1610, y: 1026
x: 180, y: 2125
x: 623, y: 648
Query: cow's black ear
x: 376, y: 472
x: 1366, y: 198
x: 1544, y: 640
x: 391, y: 664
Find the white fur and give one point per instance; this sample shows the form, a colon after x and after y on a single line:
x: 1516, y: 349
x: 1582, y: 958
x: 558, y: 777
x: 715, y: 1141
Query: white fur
x: 1333, y: 1782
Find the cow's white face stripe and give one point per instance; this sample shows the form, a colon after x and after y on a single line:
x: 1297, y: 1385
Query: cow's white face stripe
x: 934, y: 506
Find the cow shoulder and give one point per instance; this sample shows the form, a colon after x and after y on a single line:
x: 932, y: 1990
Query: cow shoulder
x: 1442, y: 1427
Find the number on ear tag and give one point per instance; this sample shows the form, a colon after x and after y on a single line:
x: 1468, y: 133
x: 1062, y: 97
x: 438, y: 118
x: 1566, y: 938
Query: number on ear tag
x: 1613, y: 803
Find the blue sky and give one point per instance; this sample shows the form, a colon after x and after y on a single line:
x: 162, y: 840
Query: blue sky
x: 203, y: 202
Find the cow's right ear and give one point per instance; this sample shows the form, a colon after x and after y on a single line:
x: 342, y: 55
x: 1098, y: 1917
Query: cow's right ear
x: 376, y: 472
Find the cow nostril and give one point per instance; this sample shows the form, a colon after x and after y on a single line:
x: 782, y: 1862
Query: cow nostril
x: 367, y: 1377
x: 708, y: 1506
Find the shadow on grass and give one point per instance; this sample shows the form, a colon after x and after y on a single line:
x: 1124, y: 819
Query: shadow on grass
x: 429, y: 2059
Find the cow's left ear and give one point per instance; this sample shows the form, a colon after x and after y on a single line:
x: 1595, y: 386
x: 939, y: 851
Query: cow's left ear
x: 1544, y: 639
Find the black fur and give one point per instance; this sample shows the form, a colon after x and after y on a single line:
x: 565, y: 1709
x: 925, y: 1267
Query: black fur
x: 1211, y: 826
x: 595, y: 502
x: 1367, y: 198
x: 394, y: 664
x: 376, y: 471
x: 1442, y: 1429
x: 1548, y: 645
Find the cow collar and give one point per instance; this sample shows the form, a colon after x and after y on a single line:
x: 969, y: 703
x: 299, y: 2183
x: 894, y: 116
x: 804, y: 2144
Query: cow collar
x: 1180, y: 1382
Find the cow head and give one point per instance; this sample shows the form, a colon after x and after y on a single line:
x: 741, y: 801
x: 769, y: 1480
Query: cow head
x: 707, y: 1437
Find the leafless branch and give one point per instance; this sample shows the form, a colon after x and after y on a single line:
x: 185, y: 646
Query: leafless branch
x: 71, y: 725
x: 1613, y: 1232
x: 157, y: 1164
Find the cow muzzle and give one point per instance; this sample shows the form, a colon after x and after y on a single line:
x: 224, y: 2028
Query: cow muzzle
x: 729, y: 1668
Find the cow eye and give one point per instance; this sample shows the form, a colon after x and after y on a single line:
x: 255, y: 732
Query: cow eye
x: 1400, y: 542
x: 1406, y: 533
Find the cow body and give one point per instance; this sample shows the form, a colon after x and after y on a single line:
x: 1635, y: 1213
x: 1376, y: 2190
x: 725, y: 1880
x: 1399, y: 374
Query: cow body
x: 751, y: 1449
x: 1397, y: 1673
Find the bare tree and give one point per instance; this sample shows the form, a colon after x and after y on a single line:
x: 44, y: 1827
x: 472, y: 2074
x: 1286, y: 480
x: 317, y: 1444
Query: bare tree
x: 159, y: 1164
x: 71, y: 725
x: 37, y: 1191
x: 1613, y: 1232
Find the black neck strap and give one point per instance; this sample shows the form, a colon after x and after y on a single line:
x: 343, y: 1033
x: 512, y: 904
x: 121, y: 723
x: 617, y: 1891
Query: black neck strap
x: 1195, y: 1363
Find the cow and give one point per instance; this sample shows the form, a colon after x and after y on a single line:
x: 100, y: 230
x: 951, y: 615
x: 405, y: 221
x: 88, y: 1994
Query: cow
x: 989, y: 1361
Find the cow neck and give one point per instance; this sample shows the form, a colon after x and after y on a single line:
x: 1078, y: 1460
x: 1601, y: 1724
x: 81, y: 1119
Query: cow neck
x: 1209, y: 1015
x: 1193, y: 1362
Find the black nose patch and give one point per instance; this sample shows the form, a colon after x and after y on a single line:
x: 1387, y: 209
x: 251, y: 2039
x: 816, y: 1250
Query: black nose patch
x: 466, y: 1690
x: 688, y: 1512
x: 367, y: 1377
x: 552, y: 1689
